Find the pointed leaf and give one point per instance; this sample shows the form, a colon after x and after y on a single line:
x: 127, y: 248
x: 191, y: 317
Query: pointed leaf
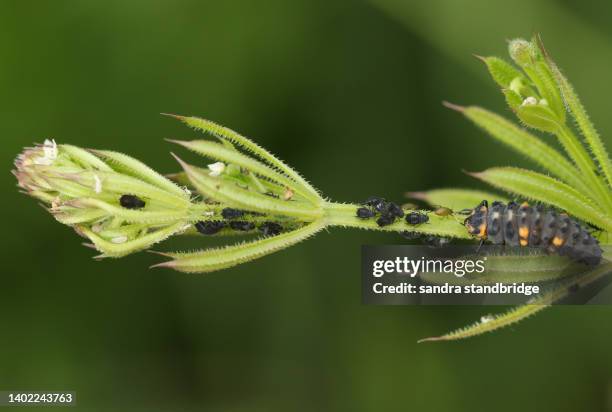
x: 128, y: 165
x: 235, y: 196
x: 491, y: 323
x: 528, y: 145
x: 84, y: 158
x: 455, y: 199
x: 582, y: 119
x: 110, y: 249
x: 224, y: 133
x: 220, y: 152
x: 211, y: 260
x: 501, y: 71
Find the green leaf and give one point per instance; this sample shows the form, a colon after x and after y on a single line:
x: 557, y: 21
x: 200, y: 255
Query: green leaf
x: 514, y: 265
x: 84, y: 158
x: 455, y: 199
x: 111, y: 182
x: 573, y: 146
x: 235, y: 196
x: 220, y: 152
x: 490, y: 323
x: 131, y: 215
x: 222, y: 132
x: 513, y: 99
x: 528, y: 145
x: 545, y: 189
x: 579, y: 113
x: 110, y: 249
x: 501, y: 71
x: 211, y: 260
x: 128, y: 165
x: 539, y: 117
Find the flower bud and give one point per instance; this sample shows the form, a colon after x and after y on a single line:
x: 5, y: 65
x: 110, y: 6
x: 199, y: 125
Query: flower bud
x: 86, y: 193
x: 522, y: 52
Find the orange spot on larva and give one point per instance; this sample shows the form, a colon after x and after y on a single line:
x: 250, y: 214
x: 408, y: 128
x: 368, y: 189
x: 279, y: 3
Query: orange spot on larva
x: 483, y: 230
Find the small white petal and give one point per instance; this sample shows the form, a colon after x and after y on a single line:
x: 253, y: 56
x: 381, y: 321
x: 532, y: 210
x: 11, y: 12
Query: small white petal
x: 119, y: 239
x: 50, y: 149
x: 97, y: 184
x: 216, y: 168
x: 529, y: 101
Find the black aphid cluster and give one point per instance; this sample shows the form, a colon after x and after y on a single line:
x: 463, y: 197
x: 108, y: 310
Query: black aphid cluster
x: 212, y: 227
x: 387, y: 212
x: 209, y: 227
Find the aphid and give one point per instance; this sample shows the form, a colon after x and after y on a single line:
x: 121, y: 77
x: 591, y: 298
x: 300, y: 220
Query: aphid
x: 443, y: 211
x: 416, y: 218
x: 378, y: 203
x: 131, y: 202
x: 209, y: 227
x: 436, y: 241
x: 524, y: 225
x: 365, y: 213
x: 242, y: 226
x: 229, y: 213
x: 385, y: 220
x: 270, y: 229
x: 393, y: 210
x: 409, y: 235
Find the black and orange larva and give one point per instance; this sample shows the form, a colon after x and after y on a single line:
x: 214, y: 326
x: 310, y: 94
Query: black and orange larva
x: 525, y: 225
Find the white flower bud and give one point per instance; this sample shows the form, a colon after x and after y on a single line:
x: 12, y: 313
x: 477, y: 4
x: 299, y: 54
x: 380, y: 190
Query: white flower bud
x: 530, y: 101
x: 216, y: 169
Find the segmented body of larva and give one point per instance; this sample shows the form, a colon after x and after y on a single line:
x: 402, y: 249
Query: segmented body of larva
x: 525, y: 225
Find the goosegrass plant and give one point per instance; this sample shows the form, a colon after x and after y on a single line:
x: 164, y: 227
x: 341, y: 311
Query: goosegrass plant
x: 82, y: 188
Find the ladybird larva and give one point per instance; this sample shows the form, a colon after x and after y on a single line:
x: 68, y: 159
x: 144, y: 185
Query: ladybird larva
x: 525, y: 225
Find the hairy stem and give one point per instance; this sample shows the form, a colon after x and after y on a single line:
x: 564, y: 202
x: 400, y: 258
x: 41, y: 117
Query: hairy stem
x: 343, y: 214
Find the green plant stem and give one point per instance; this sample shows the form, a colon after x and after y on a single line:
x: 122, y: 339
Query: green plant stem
x: 343, y: 214
x: 584, y: 163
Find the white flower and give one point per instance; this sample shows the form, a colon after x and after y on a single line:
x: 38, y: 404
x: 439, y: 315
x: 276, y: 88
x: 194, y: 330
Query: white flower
x: 49, y: 153
x: 216, y: 168
x: 529, y: 101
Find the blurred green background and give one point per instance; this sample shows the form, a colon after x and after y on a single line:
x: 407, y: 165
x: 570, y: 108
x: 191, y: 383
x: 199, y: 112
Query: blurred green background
x: 347, y: 92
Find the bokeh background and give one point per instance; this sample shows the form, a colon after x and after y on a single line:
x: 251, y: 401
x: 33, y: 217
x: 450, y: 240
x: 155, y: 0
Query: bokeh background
x: 349, y: 93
